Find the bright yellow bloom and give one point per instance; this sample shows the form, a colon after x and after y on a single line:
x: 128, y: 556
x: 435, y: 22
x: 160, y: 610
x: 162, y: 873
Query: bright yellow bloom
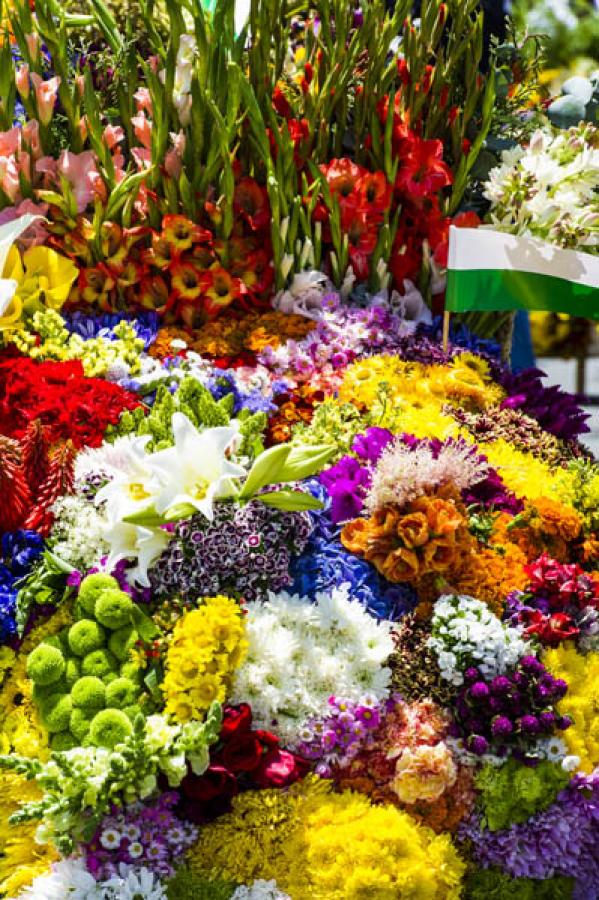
x: 581, y: 701
x: 524, y: 474
x: 207, y: 646
x: 23, y: 858
x: 44, y: 279
x: 328, y: 847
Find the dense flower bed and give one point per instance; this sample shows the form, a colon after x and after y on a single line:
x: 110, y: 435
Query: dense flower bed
x: 363, y: 659
x: 296, y: 603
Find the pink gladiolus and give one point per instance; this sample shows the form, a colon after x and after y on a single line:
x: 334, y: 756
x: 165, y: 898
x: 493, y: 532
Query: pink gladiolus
x: 46, y: 93
x: 33, y: 44
x: 172, y: 164
x: 142, y: 157
x: 22, y: 81
x: 143, y: 100
x: 36, y: 234
x: 113, y: 135
x: 31, y: 138
x: 10, y: 141
x: 9, y: 178
x: 143, y: 129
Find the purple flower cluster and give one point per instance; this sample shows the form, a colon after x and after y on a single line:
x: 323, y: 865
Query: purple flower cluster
x: 348, y: 333
x: 509, y: 713
x: 338, y: 738
x: 348, y: 480
x: 142, y: 834
x: 555, y: 410
x: 244, y: 551
x: 561, y: 840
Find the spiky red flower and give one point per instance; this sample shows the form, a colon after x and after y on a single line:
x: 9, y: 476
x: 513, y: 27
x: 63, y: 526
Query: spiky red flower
x: 59, y: 482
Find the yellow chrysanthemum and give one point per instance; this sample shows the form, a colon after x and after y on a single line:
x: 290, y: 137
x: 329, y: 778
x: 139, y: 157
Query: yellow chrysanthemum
x: 23, y: 858
x: 206, y: 648
x: 581, y: 702
x: 524, y: 474
x: 328, y: 847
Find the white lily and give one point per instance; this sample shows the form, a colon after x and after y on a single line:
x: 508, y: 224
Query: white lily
x: 135, y: 542
x: 134, y: 484
x: 195, y: 470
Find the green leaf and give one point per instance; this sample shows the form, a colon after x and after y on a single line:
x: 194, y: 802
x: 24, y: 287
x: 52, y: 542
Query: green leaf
x: 266, y: 470
x: 144, y: 625
x: 290, y: 501
x: 304, y: 461
x: 146, y: 518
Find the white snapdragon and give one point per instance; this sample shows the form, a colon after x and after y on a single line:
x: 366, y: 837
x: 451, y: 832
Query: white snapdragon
x: 300, y: 653
x: 464, y: 633
x: 549, y: 190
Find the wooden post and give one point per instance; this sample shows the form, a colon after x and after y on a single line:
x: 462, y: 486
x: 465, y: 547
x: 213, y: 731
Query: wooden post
x: 446, y: 318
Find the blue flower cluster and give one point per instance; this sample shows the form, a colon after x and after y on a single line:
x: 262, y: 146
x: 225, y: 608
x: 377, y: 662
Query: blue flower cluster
x: 253, y: 400
x: 145, y: 324
x: 20, y: 549
x: 326, y: 564
x: 461, y: 336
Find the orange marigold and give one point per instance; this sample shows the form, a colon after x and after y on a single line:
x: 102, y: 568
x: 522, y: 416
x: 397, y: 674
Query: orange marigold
x: 491, y: 575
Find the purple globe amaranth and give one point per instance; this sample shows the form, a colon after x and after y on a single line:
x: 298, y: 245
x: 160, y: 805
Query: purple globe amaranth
x: 529, y: 724
x: 501, y: 685
x: 478, y: 744
x: 502, y: 725
x: 479, y: 690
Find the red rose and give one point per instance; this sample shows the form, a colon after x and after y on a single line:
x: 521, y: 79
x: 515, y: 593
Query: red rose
x: 267, y: 737
x: 242, y: 754
x: 216, y: 781
x: 236, y: 719
x: 279, y: 768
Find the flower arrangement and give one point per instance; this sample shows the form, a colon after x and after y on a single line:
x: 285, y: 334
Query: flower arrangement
x: 295, y: 602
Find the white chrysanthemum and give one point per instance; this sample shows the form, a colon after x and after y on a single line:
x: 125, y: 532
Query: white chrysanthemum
x: 464, y: 632
x: 300, y: 653
x: 68, y: 878
x: 260, y: 890
x: 134, y: 884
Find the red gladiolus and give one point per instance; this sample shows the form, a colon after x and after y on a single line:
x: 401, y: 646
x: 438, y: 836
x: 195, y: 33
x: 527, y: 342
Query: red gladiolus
x: 250, y: 201
x: 424, y: 173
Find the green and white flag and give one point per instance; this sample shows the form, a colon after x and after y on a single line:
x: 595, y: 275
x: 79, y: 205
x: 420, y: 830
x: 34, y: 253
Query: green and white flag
x: 493, y: 271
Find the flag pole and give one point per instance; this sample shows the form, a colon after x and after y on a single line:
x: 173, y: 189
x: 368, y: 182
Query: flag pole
x: 446, y: 319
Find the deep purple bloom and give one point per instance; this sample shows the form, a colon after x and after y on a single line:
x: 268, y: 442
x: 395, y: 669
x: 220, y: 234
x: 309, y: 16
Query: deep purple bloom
x: 502, y: 725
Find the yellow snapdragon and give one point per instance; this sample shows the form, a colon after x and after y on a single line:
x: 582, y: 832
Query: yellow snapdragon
x: 207, y: 646
x: 581, y: 702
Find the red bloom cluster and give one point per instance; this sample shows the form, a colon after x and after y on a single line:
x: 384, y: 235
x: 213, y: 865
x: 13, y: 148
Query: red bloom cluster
x: 185, y: 273
x: 363, y: 197
x: 72, y: 406
x: 242, y: 759
x: 33, y: 475
x: 556, y: 596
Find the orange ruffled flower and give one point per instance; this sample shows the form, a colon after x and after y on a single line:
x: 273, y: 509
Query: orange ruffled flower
x: 429, y: 536
x: 490, y: 575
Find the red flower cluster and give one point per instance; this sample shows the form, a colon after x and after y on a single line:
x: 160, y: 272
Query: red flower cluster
x: 72, y: 406
x: 185, y: 273
x: 556, y: 595
x: 33, y: 475
x: 363, y: 197
x: 242, y: 759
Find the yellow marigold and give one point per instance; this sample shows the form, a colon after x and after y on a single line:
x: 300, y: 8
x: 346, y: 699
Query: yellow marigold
x: 328, y: 847
x: 490, y: 575
x: 23, y: 858
x: 162, y: 345
x: 207, y: 646
x: 422, y: 417
x: 523, y: 473
x: 581, y: 702
x: 466, y: 381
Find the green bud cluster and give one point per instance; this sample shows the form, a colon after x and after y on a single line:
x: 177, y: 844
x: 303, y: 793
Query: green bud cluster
x: 85, y: 685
